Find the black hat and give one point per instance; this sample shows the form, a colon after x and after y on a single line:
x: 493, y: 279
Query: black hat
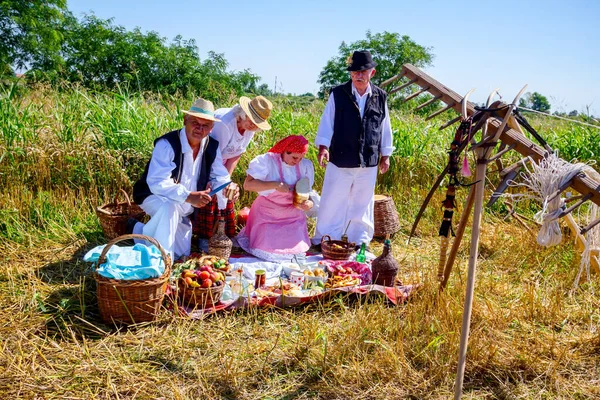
x: 361, y: 60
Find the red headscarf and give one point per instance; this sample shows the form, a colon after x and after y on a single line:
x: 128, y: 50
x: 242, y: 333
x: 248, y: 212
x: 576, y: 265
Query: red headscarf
x: 291, y: 144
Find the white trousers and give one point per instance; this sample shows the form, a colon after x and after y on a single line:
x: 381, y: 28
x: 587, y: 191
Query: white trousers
x: 169, y: 225
x: 347, y: 196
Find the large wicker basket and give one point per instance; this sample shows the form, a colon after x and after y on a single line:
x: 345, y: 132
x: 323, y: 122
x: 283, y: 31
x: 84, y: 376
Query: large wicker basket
x: 113, y: 216
x: 131, y: 301
x: 200, y: 297
x: 386, y: 216
x: 332, y: 252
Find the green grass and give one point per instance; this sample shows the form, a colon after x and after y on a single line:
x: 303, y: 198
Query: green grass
x: 65, y: 151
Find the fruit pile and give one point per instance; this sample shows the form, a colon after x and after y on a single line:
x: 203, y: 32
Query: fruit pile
x: 205, y: 277
x: 219, y: 264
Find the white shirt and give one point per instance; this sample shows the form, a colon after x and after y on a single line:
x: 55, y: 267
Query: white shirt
x: 162, y: 163
x: 325, y: 131
x: 265, y: 168
x: 231, y: 143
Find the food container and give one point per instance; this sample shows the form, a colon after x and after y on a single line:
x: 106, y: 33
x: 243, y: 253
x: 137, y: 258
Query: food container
x: 301, y: 191
x: 297, y: 278
x: 260, y: 278
x: 336, y: 249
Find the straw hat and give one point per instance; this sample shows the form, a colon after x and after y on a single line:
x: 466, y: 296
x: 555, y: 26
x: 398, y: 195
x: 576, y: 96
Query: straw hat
x: 202, y: 109
x: 258, y: 110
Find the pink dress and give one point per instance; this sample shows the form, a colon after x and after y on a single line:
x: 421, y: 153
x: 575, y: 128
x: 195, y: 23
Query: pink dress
x: 275, y: 228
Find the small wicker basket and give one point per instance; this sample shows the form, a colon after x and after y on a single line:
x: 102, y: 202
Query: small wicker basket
x: 219, y: 244
x: 332, y: 252
x: 131, y: 301
x: 385, y: 216
x: 113, y: 216
x: 200, y: 297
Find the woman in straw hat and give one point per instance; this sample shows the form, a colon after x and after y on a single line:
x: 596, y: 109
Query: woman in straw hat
x: 276, y: 228
x: 185, y: 164
x: 234, y: 132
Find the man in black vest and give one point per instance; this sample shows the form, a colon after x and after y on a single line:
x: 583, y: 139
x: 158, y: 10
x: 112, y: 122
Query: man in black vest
x: 354, y: 137
x: 185, y: 165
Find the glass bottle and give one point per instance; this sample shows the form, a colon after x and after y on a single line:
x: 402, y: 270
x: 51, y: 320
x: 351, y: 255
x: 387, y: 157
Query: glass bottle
x: 361, y: 257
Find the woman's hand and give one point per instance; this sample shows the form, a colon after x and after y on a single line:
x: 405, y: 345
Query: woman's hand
x: 283, y: 187
x: 306, y: 205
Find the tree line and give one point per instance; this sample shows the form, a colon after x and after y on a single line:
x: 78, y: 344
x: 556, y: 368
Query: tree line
x: 44, y: 38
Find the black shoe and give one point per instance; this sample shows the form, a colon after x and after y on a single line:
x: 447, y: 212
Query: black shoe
x: 131, y: 222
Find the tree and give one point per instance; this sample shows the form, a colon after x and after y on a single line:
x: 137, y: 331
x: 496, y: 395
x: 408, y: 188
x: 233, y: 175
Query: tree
x: 535, y: 101
x: 389, y: 50
x: 29, y: 31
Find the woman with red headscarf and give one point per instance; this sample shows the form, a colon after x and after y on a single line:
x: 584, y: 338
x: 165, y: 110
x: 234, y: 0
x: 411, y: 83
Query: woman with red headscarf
x: 276, y: 228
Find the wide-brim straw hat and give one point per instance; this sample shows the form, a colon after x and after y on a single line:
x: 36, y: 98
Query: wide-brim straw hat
x: 202, y: 109
x: 258, y: 110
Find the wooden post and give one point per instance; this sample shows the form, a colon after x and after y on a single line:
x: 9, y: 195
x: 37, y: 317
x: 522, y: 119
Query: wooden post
x: 464, y: 336
x: 460, y: 231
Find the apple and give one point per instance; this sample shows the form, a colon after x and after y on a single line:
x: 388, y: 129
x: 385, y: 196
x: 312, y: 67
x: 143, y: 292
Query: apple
x: 206, y: 283
x: 204, y: 275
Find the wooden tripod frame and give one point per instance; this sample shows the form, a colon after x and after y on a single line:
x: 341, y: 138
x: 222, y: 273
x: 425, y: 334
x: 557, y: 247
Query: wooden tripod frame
x: 506, y: 131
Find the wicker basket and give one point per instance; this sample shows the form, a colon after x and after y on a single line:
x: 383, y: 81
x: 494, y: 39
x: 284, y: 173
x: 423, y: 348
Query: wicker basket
x: 386, y: 216
x: 131, y: 301
x: 336, y: 253
x: 113, y: 216
x: 219, y: 244
x: 200, y: 297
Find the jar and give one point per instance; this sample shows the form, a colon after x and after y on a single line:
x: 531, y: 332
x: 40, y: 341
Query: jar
x: 260, y: 278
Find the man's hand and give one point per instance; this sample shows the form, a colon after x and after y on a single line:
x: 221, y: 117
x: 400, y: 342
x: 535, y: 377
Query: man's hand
x: 384, y: 164
x: 199, y: 199
x: 323, y: 157
x: 306, y: 205
x: 232, y: 192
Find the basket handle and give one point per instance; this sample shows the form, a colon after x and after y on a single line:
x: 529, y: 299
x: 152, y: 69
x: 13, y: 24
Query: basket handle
x: 124, y: 194
x: 165, y: 256
x: 325, y: 236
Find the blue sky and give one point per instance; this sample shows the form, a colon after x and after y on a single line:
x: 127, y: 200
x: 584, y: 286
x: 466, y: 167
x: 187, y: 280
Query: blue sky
x: 553, y: 46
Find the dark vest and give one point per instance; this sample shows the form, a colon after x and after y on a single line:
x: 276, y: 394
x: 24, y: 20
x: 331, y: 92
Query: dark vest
x: 355, y: 142
x: 141, y: 189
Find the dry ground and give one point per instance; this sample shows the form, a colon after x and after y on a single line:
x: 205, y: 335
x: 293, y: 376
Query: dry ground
x: 530, y: 338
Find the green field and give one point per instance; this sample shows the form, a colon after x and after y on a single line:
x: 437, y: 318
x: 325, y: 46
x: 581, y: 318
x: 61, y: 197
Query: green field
x: 64, y: 151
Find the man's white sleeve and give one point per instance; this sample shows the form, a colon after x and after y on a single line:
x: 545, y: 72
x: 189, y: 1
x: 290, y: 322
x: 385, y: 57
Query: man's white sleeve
x: 219, y: 176
x: 325, y: 131
x: 387, y: 140
x: 159, y: 174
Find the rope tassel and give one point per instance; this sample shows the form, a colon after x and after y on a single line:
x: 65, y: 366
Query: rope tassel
x: 465, y: 171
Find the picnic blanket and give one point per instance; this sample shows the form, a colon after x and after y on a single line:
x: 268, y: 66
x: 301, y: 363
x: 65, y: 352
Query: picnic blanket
x: 249, y: 264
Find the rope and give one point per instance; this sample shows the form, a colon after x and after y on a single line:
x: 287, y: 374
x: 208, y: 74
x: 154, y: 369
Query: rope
x: 542, y: 181
x: 559, y: 117
x: 592, y: 240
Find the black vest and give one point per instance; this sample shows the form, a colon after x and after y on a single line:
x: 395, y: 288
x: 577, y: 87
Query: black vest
x: 141, y: 189
x: 355, y: 142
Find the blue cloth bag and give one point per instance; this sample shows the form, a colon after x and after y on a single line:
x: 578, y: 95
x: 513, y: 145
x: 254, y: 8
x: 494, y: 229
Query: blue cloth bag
x: 128, y: 263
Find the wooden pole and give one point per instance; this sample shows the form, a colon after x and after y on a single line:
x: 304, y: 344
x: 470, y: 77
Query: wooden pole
x: 464, y: 337
x: 460, y: 231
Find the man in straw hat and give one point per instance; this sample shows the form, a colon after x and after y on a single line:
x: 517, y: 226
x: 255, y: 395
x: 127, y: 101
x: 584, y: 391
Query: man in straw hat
x: 234, y: 133
x: 185, y: 165
x: 354, y: 137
